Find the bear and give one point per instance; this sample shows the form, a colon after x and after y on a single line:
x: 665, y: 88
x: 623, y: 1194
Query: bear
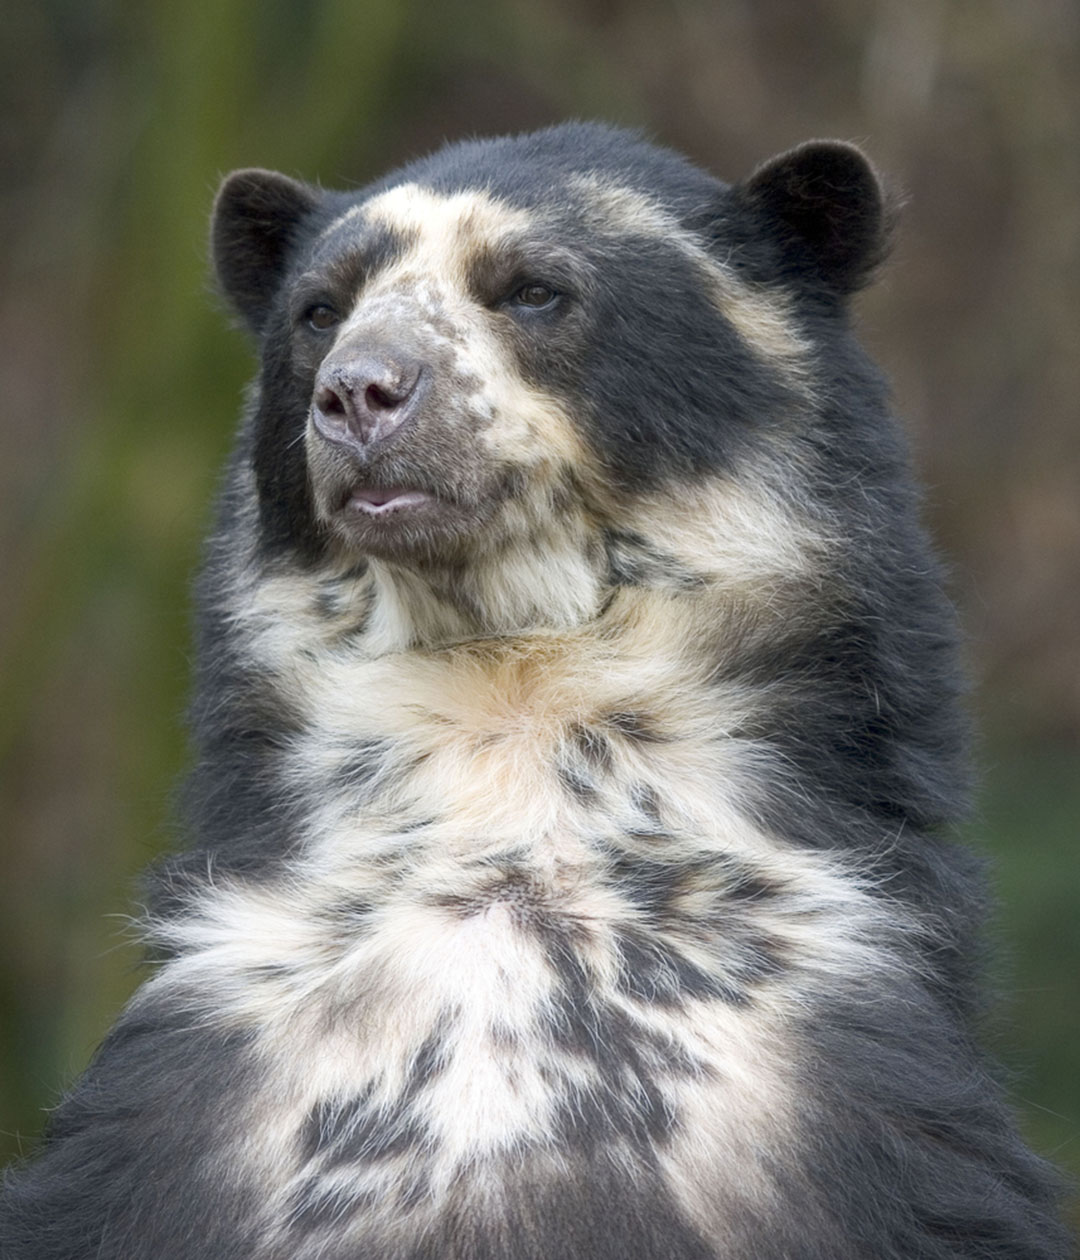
x: 579, y: 734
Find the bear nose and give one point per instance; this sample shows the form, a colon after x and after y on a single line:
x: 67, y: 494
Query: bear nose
x: 365, y: 398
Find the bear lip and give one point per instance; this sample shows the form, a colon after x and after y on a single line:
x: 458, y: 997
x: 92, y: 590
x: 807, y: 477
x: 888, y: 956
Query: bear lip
x: 378, y: 501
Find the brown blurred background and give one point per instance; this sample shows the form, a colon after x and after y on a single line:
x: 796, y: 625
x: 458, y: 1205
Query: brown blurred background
x: 121, y: 380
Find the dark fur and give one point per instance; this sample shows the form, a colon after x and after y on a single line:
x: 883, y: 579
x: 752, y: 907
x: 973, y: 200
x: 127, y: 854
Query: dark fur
x: 906, y: 1148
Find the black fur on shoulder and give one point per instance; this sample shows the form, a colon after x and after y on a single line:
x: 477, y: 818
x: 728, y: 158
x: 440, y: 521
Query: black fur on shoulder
x: 579, y: 735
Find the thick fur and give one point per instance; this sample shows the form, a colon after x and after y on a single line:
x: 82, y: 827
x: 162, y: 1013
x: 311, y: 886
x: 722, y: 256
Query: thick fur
x: 569, y: 871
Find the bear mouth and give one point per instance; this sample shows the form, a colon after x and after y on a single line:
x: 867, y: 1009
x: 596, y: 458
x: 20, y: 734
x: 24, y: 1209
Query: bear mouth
x: 397, y: 521
x: 382, y: 501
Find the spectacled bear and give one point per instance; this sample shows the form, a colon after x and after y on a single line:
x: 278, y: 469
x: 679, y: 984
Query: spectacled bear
x: 578, y: 730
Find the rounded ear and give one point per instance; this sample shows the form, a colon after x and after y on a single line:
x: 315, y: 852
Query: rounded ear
x: 254, y: 221
x: 824, y: 205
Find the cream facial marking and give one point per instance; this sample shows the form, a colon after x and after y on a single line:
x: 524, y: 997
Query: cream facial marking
x: 762, y: 319
x: 442, y: 234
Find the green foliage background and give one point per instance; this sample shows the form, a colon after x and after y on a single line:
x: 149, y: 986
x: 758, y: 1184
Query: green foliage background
x: 121, y: 379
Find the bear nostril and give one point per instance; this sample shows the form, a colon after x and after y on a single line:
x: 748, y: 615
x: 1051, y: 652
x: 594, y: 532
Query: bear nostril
x: 330, y: 403
x: 378, y: 398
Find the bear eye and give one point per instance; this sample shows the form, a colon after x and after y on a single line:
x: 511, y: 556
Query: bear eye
x: 321, y: 317
x: 535, y: 295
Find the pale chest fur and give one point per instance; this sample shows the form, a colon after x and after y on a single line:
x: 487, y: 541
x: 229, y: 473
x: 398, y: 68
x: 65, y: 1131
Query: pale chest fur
x: 528, y: 912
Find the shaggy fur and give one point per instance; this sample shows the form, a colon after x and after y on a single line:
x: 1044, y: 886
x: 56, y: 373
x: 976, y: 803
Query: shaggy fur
x: 578, y: 740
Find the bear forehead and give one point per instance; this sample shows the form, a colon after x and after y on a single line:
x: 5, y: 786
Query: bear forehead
x: 449, y: 229
x: 442, y: 232
x: 411, y: 210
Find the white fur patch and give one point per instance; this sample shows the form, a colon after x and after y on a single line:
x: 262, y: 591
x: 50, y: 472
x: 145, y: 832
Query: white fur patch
x: 368, y: 946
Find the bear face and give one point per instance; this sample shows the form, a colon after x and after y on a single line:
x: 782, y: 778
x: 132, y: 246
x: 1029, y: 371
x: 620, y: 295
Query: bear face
x: 520, y: 332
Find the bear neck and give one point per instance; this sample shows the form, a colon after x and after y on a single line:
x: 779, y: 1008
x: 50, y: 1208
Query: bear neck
x: 554, y: 581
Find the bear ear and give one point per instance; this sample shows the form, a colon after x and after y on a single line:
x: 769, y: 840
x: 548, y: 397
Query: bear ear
x: 825, y: 206
x: 255, y: 220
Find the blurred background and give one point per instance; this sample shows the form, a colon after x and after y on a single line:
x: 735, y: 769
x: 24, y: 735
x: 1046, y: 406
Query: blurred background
x: 121, y: 380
